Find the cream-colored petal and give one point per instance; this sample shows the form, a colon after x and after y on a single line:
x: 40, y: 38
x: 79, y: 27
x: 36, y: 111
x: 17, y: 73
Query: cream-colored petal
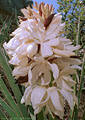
x: 27, y: 96
x: 23, y: 36
x: 46, y: 50
x: 63, y: 53
x: 22, y: 50
x: 67, y: 71
x: 53, y: 42
x: 69, y: 80
x: 46, y: 75
x: 55, y: 22
x: 37, y: 96
x: 18, y: 30
x: 32, y: 49
x: 55, y: 70
x: 50, y: 36
x: 20, y: 71
x: 29, y: 76
x: 45, y: 80
x: 15, y: 60
x: 76, y: 67
x: 55, y: 98
x: 71, y: 47
x: 66, y: 86
x: 51, y: 109
x: 13, y: 44
x: 25, y: 12
x: 69, y: 97
x: 34, y: 75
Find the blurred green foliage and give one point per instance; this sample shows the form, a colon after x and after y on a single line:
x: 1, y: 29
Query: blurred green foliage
x: 73, y: 12
x: 9, y: 7
x: 9, y: 12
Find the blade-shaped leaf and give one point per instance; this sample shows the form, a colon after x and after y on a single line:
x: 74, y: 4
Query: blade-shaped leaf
x: 14, y: 87
x: 81, y: 80
x: 3, y: 116
x: 9, y: 98
x: 7, y: 108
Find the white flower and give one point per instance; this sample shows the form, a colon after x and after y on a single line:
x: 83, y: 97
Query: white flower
x: 20, y: 71
x: 41, y: 96
x: 64, y: 62
x: 40, y: 72
x: 47, y: 34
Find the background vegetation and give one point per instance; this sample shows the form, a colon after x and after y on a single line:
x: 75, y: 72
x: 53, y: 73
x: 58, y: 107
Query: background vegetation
x: 73, y: 12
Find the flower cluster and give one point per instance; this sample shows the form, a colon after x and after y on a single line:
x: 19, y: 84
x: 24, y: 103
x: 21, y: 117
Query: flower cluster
x: 43, y: 60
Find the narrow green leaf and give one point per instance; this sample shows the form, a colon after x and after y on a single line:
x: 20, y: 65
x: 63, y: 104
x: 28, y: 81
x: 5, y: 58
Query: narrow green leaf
x: 2, y: 116
x: 14, y: 87
x: 9, y: 98
x: 81, y: 80
x: 7, y: 108
x: 51, y: 118
x: 83, y: 116
x: 40, y: 116
x: 75, y: 113
x: 8, y: 71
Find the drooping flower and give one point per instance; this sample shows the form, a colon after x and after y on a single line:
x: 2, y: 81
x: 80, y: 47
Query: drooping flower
x: 40, y: 72
x: 41, y: 96
x: 54, y: 95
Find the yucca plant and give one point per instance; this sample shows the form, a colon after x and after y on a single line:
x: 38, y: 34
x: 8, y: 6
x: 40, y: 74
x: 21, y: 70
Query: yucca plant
x: 46, y: 69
